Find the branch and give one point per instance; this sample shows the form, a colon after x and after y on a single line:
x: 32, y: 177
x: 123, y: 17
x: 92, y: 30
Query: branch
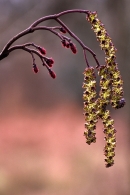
x: 5, y: 52
x: 58, y: 15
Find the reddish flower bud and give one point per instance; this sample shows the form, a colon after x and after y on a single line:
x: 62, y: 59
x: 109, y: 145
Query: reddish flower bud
x: 42, y: 50
x: 52, y: 74
x: 49, y: 62
x: 64, y: 42
x: 35, y: 69
x: 73, y: 48
x: 62, y: 30
x: 67, y: 45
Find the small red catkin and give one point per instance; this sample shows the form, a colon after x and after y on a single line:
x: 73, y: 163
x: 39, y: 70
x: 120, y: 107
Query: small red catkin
x: 73, y: 48
x: 42, y: 50
x: 50, y: 62
x: 35, y: 69
x: 67, y: 45
x: 52, y: 74
x: 62, y: 30
x: 64, y: 43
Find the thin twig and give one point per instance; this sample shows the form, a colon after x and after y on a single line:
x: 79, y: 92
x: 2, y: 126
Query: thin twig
x: 25, y: 49
x: 84, y: 52
x: 57, y: 16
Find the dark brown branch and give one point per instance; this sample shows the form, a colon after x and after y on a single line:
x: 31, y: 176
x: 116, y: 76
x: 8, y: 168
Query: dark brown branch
x: 23, y: 47
x: 84, y: 52
x: 21, y: 34
x: 6, y: 50
x: 51, y: 29
x: 58, y: 15
x: 30, y: 29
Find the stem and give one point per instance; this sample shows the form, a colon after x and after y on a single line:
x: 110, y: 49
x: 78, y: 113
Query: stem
x: 58, y: 15
x: 51, y: 29
x: 21, y: 34
x: 25, y: 49
x: 86, y: 58
x: 33, y: 59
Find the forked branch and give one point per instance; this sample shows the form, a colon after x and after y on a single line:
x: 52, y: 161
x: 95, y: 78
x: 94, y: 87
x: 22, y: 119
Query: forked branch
x: 59, y: 31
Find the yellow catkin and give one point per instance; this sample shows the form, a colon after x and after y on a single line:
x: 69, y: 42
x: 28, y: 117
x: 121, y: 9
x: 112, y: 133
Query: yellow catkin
x: 105, y: 91
x: 102, y: 102
x: 117, y: 100
x: 110, y: 138
x: 89, y: 95
x: 111, y: 91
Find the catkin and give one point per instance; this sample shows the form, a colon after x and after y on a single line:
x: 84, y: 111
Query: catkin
x: 90, y: 111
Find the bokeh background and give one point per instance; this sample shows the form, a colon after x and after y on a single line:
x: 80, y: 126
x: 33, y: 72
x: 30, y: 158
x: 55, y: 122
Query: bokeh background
x: 42, y: 147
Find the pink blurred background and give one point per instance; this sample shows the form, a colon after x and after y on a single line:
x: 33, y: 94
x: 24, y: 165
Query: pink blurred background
x: 42, y: 147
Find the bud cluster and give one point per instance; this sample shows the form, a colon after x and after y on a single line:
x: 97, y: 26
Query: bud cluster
x: 47, y: 62
x: 68, y: 44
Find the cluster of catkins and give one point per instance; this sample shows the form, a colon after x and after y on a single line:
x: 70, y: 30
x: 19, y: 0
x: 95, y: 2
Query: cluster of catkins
x: 111, y: 92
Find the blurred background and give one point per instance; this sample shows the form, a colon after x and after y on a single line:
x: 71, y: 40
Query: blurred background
x: 42, y: 147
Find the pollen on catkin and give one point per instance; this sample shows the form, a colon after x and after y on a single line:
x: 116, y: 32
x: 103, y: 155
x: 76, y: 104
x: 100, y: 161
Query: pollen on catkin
x: 110, y: 138
x: 101, y: 34
x: 90, y: 111
x: 104, y: 114
x: 117, y: 100
x: 105, y: 84
x: 105, y: 91
x: 111, y: 91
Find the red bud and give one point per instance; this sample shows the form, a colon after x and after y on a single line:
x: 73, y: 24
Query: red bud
x: 52, y: 74
x: 73, y: 48
x: 49, y: 62
x: 35, y: 69
x: 42, y: 50
x: 67, y: 45
x: 64, y: 42
x: 62, y: 30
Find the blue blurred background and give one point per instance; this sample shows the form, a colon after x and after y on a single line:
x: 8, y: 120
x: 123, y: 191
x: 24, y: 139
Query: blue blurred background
x: 42, y: 148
